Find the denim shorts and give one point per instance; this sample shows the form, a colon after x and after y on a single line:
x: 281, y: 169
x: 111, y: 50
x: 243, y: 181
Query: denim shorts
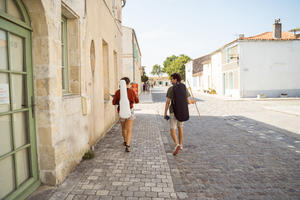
x: 132, y: 116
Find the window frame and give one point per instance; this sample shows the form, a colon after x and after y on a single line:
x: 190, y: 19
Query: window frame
x: 64, y: 56
x: 228, y: 59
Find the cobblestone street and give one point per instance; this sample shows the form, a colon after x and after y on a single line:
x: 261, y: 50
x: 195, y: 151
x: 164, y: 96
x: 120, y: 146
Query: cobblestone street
x: 226, y: 155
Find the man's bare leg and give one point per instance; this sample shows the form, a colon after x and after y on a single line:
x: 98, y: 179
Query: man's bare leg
x: 174, y: 136
x: 180, y: 133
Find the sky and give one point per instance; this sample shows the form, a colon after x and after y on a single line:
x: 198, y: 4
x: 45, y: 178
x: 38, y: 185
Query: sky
x: 198, y: 27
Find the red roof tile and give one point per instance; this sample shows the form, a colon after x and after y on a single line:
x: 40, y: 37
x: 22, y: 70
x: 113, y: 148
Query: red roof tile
x: 269, y: 36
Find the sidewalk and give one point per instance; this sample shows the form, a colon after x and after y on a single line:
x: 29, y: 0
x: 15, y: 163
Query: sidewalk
x: 226, y: 98
x: 288, y: 109
x: 144, y: 173
x: 146, y: 97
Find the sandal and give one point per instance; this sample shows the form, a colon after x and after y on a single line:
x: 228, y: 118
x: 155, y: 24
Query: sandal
x: 127, y: 149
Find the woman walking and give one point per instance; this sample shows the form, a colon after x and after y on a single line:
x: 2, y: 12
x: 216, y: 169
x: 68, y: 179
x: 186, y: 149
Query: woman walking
x: 126, y: 123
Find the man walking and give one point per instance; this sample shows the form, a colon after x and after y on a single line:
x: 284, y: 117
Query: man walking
x: 175, y: 79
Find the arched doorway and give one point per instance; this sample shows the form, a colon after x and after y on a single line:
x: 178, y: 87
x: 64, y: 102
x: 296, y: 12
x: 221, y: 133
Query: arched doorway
x: 18, y: 155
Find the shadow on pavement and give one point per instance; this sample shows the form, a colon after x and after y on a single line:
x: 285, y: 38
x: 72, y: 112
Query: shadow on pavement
x: 235, y: 158
x: 229, y: 157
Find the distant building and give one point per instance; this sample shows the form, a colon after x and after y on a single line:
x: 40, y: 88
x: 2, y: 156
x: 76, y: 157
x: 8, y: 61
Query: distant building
x: 189, y: 74
x: 296, y: 32
x: 198, y: 73
x: 132, y: 56
x: 160, y: 81
x: 268, y: 64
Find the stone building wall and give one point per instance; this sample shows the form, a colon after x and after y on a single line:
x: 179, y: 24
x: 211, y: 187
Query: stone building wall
x: 67, y: 125
x: 132, y: 66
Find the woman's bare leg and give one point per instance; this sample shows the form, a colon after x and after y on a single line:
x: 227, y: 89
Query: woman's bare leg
x: 124, y: 130
x: 128, y: 126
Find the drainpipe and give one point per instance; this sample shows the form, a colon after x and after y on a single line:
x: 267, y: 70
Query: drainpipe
x: 133, y: 63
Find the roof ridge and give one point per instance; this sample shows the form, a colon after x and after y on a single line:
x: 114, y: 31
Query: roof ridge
x: 258, y: 34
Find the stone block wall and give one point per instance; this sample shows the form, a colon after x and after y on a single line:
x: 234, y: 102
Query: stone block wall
x: 64, y: 134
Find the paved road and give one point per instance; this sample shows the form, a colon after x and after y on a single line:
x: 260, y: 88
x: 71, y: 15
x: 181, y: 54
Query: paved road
x: 226, y: 155
x: 229, y: 156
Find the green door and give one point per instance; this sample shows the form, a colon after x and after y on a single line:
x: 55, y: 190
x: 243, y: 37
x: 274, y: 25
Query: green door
x: 18, y: 156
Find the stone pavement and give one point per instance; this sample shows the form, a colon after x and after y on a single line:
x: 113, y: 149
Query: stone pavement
x: 281, y: 113
x: 226, y: 155
x: 229, y: 156
x: 143, y: 173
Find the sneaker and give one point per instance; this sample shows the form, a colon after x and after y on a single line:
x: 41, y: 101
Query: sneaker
x: 176, y: 151
x: 181, y: 147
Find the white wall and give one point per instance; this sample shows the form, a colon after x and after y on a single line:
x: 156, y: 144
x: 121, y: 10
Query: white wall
x: 189, y: 73
x: 127, y: 54
x: 195, y: 84
x: 206, y: 80
x: 270, y: 67
x: 216, y: 64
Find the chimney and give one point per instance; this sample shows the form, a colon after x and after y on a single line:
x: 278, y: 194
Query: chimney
x: 277, y: 29
x: 241, y: 36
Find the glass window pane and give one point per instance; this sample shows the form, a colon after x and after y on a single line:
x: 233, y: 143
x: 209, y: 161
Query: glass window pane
x: 2, y: 5
x: 16, y: 53
x: 5, y: 135
x: 63, y: 78
x: 20, y: 129
x: 6, y: 176
x: 13, y: 9
x: 4, y: 93
x: 22, y: 166
x: 18, y: 91
x: 3, y: 50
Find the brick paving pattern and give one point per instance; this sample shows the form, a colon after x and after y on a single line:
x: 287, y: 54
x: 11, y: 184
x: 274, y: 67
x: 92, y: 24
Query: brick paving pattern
x: 143, y: 173
x: 225, y: 156
x: 232, y: 157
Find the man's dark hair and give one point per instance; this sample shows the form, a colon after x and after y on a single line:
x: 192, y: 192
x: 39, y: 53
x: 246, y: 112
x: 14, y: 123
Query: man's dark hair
x: 176, y: 76
x: 126, y: 79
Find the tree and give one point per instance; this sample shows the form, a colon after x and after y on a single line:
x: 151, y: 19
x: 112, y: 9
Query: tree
x: 156, y: 70
x: 168, y: 61
x: 176, y: 65
x: 144, y: 77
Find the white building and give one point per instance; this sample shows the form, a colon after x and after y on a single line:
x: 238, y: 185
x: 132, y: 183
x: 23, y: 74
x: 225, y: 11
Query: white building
x: 262, y: 64
x: 189, y: 75
x: 269, y: 67
x: 132, y: 67
x: 266, y: 64
x: 198, y: 72
x: 216, y: 65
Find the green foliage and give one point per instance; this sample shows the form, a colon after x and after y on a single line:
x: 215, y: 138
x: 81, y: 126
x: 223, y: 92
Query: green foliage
x: 168, y: 62
x: 176, y: 64
x: 144, y: 77
x: 156, y: 70
x: 88, y: 155
x: 211, y: 91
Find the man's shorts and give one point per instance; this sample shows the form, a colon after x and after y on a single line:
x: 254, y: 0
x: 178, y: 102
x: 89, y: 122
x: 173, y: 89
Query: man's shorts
x: 132, y: 116
x: 174, y: 123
